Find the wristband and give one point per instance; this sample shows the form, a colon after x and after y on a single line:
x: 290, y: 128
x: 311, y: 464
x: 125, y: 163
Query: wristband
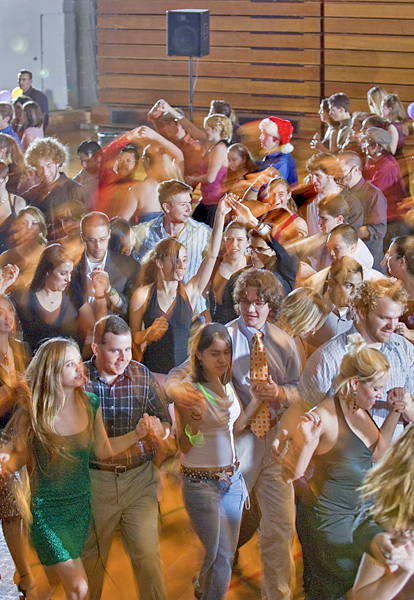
x: 100, y: 297
x: 195, y: 440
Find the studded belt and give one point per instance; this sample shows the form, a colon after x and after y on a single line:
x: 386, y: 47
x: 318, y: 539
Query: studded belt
x: 220, y: 473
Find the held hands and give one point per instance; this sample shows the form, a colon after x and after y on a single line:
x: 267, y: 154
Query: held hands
x: 157, y: 329
x: 394, y: 550
x: 315, y: 141
x: 400, y: 400
x: 150, y: 428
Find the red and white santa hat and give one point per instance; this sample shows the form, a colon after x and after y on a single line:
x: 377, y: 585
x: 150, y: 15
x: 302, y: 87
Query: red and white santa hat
x: 279, y: 128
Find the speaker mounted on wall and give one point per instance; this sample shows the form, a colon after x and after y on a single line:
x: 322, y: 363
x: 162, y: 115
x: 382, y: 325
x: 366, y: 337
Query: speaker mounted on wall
x: 188, y: 32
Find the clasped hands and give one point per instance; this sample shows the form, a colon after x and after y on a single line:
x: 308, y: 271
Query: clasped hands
x: 100, y: 282
x: 266, y: 391
x: 401, y: 401
x: 149, y: 428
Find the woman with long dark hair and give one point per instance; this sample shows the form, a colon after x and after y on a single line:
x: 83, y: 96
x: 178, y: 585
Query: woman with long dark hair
x: 214, y: 490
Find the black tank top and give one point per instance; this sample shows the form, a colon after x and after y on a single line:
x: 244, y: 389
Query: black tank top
x: 171, y: 350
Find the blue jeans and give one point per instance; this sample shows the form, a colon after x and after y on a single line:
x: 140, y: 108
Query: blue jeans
x: 215, y: 509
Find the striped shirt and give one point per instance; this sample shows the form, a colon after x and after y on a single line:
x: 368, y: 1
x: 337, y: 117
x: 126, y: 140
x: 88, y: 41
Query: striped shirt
x: 194, y: 236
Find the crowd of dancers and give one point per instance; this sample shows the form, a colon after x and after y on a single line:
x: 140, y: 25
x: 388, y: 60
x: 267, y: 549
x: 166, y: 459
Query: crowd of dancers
x: 220, y: 313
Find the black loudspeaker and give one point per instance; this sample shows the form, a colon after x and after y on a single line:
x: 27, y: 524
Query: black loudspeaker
x: 188, y: 32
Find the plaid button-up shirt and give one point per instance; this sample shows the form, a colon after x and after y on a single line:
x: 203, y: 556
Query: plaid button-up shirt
x: 123, y: 403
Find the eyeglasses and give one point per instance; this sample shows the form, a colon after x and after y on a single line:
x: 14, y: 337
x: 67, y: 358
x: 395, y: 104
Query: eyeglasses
x: 256, y: 304
x: 257, y: 250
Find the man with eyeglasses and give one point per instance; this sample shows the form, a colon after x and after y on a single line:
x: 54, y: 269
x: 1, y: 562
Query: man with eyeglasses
x: 258, y: 295
x: 117, y: 271
x: 372, y: 200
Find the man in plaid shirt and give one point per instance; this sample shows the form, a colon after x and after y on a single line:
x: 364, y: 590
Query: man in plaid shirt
x: 124, y: 486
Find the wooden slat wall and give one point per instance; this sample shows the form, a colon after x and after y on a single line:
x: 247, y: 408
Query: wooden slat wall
x: 264, y: 55
x: 369, y: 42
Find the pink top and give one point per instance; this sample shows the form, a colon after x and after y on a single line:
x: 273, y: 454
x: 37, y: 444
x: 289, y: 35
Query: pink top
x: 30, y: 134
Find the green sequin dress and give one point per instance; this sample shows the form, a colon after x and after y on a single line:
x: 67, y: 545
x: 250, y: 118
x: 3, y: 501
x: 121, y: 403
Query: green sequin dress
x: 61, y: 499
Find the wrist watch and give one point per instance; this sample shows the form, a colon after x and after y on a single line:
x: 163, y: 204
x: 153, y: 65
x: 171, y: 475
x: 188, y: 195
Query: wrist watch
x: 112, y: 292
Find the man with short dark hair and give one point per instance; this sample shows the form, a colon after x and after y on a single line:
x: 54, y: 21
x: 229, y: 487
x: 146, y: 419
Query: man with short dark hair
x: 340, y: 111
x: 118, y: 272
x: 124, y: 493
x: 175, y: 199
x: 89, y: 173
x: 373, y: 202
x: 343, y: 241
x: 25, y: 79
x: 323, y: 170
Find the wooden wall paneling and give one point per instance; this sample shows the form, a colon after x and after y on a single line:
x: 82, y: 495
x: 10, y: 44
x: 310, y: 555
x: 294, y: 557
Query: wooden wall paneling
x: 241, y: 102
x: 377, y: 58
x: 293, y: 56
x: 226, y: 7
x: 385, y: 9
x: 208, y: 69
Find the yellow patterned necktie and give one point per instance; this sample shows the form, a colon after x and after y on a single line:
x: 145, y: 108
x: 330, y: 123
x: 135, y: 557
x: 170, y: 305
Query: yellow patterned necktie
x: 260, y: 424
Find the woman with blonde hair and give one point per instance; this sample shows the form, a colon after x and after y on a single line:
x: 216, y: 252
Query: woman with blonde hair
x: 303, y: 312
x: 53, y: 436
x: 374, y: 97
x: 389, y: 492
x: 341, y: 440
x: 13, y: 361
x: 216, y: 137
x: 393, y: 112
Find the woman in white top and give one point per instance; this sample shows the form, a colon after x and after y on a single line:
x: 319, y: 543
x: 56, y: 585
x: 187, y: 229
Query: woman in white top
x: 214, y: 490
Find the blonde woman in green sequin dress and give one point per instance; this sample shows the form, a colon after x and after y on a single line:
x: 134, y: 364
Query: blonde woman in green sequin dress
x: 53, y: 436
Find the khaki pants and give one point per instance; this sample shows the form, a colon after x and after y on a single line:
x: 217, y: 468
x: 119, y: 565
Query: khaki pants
x: 127, y: 501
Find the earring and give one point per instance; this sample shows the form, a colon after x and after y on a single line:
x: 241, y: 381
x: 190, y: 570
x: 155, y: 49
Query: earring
x: 354, y: 402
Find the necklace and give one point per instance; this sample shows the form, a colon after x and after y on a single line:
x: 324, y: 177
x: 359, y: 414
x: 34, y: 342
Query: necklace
x: 4, y: 354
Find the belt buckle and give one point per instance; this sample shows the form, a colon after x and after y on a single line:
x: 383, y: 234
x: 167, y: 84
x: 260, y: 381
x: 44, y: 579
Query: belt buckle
x: 120, y: 469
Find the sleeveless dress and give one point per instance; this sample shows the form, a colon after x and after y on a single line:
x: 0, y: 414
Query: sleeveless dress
x: 61, y: 497
x: 210, y: 192
x: 171, y: 350
x: 331, y: 560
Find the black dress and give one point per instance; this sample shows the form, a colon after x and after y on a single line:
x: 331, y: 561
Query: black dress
x: 331, y: 560
x: 171, y: 350
x: 35, y: 329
